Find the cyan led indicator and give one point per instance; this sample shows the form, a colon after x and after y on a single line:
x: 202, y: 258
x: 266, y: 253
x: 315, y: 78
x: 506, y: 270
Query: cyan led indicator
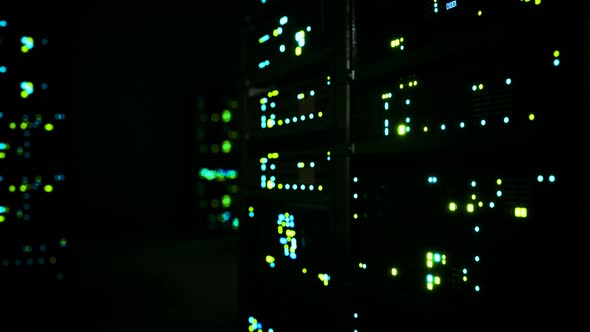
x: 283, y: 20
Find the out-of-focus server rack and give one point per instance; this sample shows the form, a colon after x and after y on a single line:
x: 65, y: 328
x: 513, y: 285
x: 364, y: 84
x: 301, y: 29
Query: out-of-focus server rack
x: 214, y: 167
x: 468, y: 165
x: 295, y: 165
x: 35, y: 150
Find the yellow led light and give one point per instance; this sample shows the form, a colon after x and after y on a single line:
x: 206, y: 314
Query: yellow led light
x: 394, y: 271
x: 470, y: 208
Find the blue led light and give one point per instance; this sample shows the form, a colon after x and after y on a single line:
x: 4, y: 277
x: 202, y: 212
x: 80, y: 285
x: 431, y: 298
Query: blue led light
x: 473, y: 183
x: 251, y: 214
x: 294, y: 119
x: 282, y: 48
x: 437, y: 257
x: 263, y: 107
x: 476, y: 229
x: 264, y: 39
x: 3, y: 23
x: 407, y: 102
x: 355, y: 196
x: 287, y: 121
x: 273, y: 104
x: 312, y: 164
x: 311, y: 116
x: 506, y: 119
x: 476, y: 258
x: 540, y: 178
x: 308, y: 29
x: 386, y: 131
x: 474, y: 87
x: 294, y: 187
x: 499, y: 193
x: 508, y: 81
x: 551, y: 178
x: 556, y: 62
x: 408, y: 120
x: 464, y: 271
x: 462, y: 124
x: 2, y: 69
x: 312, y: 93
x: 302, y: 187
x: 492, y: 205
x: 443, y: 127
x: 356, y: 315
x: 287, y: 186
x: 483, y: 122
x: 429, y: 278
x: 477, y: 288
x: 311, y: 187
x: 273, y: 166
x: 284, y: 20
x: 251, y: 319
x: 302, y: 117
x: 355, y: 179
x: 263, y: 167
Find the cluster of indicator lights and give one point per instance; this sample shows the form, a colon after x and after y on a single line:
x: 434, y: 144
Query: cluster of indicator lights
x: 26, y: 125
x: 404, y: 127
x: 226, y: 146
x: 432, y: 260
x: 255, y: 325
x: 474, y: 202
x: 218, y: 175
x: 299, y: 39
x: 26, y: 187
x: 449, y: 5
x: 42, y: 259
x: 286, y: 231
x: 270, y: 182
x: 271, y: 120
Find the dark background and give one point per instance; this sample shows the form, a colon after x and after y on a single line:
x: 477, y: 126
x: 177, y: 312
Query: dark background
x: 136, y: 67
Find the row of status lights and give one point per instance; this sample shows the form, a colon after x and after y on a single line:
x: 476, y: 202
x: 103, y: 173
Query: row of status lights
x: 404, y: 128
x: 453, y: 4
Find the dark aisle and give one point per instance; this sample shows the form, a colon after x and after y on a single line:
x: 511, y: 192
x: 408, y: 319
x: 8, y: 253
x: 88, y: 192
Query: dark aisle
x: 135, y: 68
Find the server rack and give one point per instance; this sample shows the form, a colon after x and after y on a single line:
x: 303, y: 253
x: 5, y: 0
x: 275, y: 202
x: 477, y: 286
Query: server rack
x: 459, y: 181
x: 35, y: 149
x: 294, y: 165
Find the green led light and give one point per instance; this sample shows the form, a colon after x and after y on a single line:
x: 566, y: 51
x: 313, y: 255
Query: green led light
x: 48, y: 127
x: 226, y: 116
x: 226, y: 201
x: 226, y: 147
